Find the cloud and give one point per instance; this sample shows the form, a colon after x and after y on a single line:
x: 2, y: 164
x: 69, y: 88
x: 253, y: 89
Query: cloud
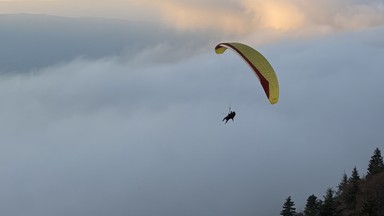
x: 280, y: 15
x: 240, y: 17
x: 28, y: 0
x: 224, y: 16
x: 125, y: 136
x: 266, y: 21
x: 74, y: 118
x: 245, y: 17
x: 60, y: 39
x: 361, y: 16
x: 257, y: 22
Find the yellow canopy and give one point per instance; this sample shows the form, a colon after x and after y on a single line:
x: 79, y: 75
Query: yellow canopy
x: 259, y: 65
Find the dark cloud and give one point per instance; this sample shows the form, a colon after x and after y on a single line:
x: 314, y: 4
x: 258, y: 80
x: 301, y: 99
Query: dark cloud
x: 37, y: 41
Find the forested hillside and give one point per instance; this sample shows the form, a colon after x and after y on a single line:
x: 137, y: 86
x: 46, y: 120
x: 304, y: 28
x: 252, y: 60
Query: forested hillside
x: 354, y: 195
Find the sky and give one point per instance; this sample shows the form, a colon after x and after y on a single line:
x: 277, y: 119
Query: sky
x: 115, y: 107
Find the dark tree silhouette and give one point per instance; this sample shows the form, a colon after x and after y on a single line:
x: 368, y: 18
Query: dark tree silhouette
x: 350, y: 193
x: 288, y: 208
x: 342, y: 185
x: 376, y: 163
x: 328, y: 207
x: 312, y: 208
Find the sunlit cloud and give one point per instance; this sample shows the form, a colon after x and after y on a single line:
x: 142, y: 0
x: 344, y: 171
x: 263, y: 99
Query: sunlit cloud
x: 240, y: 18
x: 275, y: 14
x: 186, y: 15
x: 250, y: 16
x: 27, y: 1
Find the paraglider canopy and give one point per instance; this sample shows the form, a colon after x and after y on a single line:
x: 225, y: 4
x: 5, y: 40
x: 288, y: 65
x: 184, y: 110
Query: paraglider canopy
x: 259, y: 64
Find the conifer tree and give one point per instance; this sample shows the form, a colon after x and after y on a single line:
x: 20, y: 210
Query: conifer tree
x: 355, y: 177
x: 342, y: 184
x: 328, y: 207
x: 350, y: 194
x: 376, y: 164
x: 288, y: 208
x: 312, y: 208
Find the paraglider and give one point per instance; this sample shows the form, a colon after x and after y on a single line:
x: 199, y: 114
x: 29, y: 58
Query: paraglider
x: 231, y: 115
x: 260, y: 66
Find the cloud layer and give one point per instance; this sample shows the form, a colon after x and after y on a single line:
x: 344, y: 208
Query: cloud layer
x: 137, y: 136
